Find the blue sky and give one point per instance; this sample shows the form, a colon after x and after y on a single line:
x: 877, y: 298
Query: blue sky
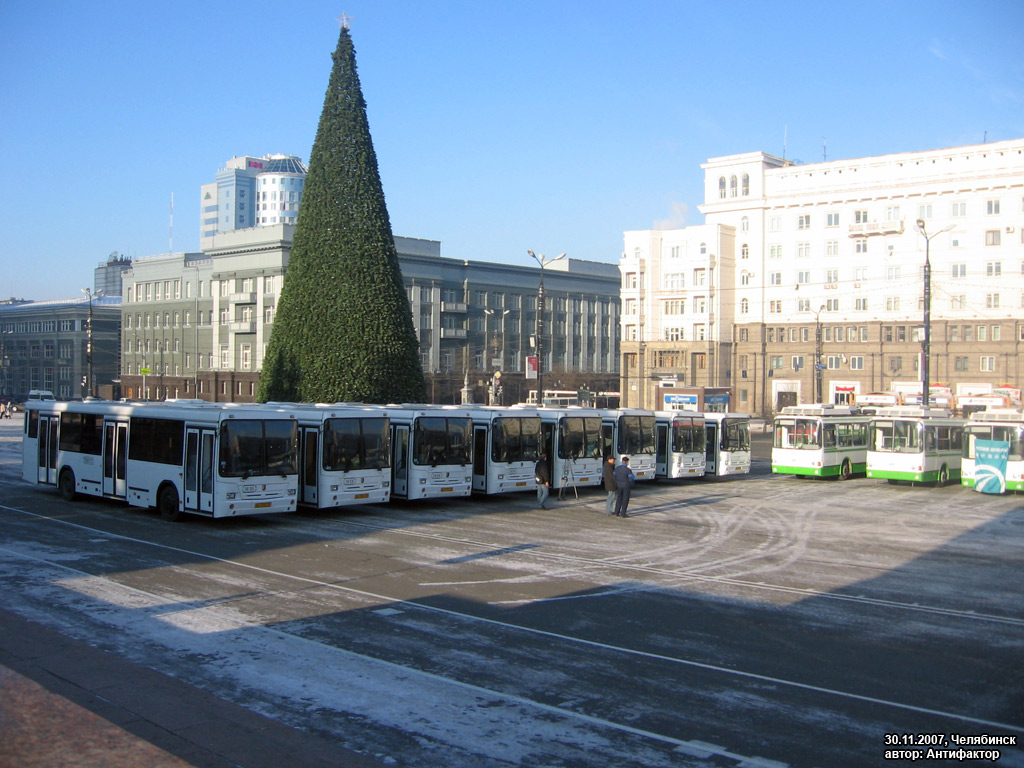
x: 499, y: 126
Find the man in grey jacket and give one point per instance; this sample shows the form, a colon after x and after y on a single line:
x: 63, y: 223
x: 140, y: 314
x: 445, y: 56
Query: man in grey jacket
x: 624, y: 480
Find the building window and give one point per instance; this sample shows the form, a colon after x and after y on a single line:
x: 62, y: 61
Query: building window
x: 924, y: 211
x: 803, y: 250
x: 994, y: 269
x: 832, y: 305
x: 860, y: 217
x: 831, y: 247
x: 745, y: 221
x: 892, y: 213
x: 857, y: 363
x: 776, y: 362
x: 775, y: 307
x: 744, y: 251
x: 960, y: 363
x: 775, y: 251
x: 775, y: 278
x: 832, y: 220
x: 674, y: 281
x: 988, y: 363
x: 674, y: 334
x: 993, y: 237
x: 802, y: 278
x: 832, y: 275
x: 958, y: 209
x: 992, y: 207
x: 721, y: 188
x: 744, y: 306
x: 746, y: 185
x: 803, y: 305
x: 674, y: 306
x: 803, y: 221
x: 246, y: 357
x: 861, y: 305
x: 860, y: 245
x: 959, y: 271
x: 992, y: 301
x: 892, y: 303
x: 833, y: 362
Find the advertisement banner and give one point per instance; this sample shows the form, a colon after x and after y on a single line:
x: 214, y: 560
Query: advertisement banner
x: 990, y: 465
x: 531, y: 366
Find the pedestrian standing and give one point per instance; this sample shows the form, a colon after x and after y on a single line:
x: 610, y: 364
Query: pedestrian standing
x: 610, y: 485
x: 542, y: 471
x: 624, y: 481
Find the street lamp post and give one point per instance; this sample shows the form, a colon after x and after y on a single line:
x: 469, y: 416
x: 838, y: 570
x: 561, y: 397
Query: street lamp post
x: 499, y: 338
x: 90, y: 388
x: 817, y: 354
x: 543, y: 262
x: 927, y: 343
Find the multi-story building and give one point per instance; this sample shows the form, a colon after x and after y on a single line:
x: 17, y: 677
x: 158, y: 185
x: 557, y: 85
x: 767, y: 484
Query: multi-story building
x: 828, y: 288
x: 252, y: 191
x: 55, y: 345
x: 198, y: 324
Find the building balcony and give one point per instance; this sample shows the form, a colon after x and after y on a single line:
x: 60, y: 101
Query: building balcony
x: 453, y: 333
x: 454, y: 306
x: 868, y: 228
x: 242, y: 326
x: 242, y: 298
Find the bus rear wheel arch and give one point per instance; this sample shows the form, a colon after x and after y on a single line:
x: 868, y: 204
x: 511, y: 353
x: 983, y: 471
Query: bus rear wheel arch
x: 167, y: 503
x: 846, y: 470
x: 943, y: 476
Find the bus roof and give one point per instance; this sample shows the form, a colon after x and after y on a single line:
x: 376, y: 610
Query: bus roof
x: 820, y: 409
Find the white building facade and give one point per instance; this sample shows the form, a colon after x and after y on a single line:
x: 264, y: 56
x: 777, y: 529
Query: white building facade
x: 826, y: 296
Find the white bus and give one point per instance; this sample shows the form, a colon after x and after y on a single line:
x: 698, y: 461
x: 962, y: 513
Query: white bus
x: 630, y: 432
x: 728, y: 444
x: 1004, y: 425
x: 215, y: 460
x: 572, y: 439
x: 431, y: 450
x: 344, y: 454
x: 506, y: 446
x: 681, y: 443
x: 915, y: 444
x: 820, y: 441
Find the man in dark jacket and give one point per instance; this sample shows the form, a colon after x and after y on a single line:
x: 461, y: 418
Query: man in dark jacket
x: 624, y: 480
x: 610, y: 485
x: 543, y: 475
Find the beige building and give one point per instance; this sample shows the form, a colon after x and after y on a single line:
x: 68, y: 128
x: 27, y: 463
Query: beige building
x: 826, y: 296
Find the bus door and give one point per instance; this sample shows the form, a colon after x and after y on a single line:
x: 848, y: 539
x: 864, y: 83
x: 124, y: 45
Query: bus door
x: 309, y: 439
x: 400, y: 461
x: 661, y: 463
x: 199, y: 464
x: 47, y: 449
x: 608, y: 440
x: 115, y: 453
x: 480, y: 458
x: 711, y: 450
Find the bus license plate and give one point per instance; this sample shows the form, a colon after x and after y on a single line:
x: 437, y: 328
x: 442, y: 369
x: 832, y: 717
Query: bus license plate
x: 520, y: 485
x: 262, y: 504
x: 447, y: 490
x: 362, y: 496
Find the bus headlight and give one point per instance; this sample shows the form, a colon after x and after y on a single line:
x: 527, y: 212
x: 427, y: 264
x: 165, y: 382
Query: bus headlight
x: 292, y: 491
x: 230, y: 495
x: 334, y: 487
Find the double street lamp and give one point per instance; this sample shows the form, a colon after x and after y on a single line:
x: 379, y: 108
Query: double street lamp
x: 543, y: 262
x: 927, y: 343
x: 90, y: 387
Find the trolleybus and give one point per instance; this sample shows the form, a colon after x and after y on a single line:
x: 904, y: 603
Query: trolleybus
x: 631, y: 432
x: 727, y: 449
x: 506, y: 446
x: 215, y: 460
x: 344, y: 454
x: 1004, y: 425
x: 915, y: 444
x: 820, y: 441
x: 431, y: 449
x: 681, y: 443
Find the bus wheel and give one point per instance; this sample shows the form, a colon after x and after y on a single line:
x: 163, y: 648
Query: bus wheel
x: 943, y: 476
x: 167, y: 503
x: 845, y: 471
x: 66, y: 484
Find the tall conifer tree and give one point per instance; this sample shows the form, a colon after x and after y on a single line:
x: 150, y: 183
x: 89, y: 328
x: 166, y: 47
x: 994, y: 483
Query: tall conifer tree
x: 343, y: 328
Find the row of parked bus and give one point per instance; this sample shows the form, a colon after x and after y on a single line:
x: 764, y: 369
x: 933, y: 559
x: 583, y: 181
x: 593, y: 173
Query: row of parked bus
x: 219, y: 459
x: 896, y: 443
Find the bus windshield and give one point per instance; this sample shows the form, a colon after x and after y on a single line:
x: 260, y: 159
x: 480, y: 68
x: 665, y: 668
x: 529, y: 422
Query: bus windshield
x: 441, y: 440
x: 515, y: 439
x: 580, y: 438
x: 896, y: 436
x: 1012, y: 434
x: 735, y: 435
x: 356, y: 444
x: 636, y: 434
x: 797, y: 433
x: 689, y: 438
x: 251, y: 447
